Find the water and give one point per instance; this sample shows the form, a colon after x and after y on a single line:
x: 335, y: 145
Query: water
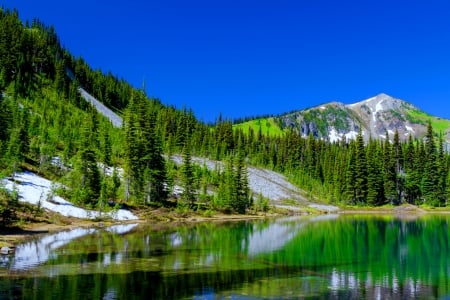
x: 327, y: 257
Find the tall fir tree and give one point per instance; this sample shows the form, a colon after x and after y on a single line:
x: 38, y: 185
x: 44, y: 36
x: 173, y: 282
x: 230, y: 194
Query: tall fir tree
x: 241, y: 200
x: 361, y: 169
x: 430, y: 176
x: 189, y: 195
x: 375, y: 190
x: 389, y: 177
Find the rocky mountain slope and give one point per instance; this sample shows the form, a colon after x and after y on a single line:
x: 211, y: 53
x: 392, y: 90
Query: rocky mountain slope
x: 374, y: 116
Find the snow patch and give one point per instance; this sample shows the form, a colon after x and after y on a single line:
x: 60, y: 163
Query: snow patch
x: 409, y: 128
x: 37, y: 190
x: 351, y: 135
x: 369, y: 100
x: 322, y: 107
x: 333, y: 136
x: 390, y: 132
x: 379, y: 106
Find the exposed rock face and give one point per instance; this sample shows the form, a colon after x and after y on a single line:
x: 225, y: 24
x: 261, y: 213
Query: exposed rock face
x: 307, y: 128
x: 375, y: 117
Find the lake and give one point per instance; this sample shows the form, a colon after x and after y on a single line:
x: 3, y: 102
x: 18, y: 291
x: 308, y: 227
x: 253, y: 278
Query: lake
x: 328, y: 257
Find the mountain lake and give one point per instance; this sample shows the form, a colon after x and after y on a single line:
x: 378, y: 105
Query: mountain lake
x: 325, y: 257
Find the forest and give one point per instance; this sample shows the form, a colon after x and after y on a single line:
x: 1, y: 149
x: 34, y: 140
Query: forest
x: 46, y: 127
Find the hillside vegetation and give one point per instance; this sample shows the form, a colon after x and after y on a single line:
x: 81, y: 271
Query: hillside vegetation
x: 261, y: 126
x: 48, y: 128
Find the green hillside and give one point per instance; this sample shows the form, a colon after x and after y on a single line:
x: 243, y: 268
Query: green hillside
x: 268, y: 126
x: 420, y: 117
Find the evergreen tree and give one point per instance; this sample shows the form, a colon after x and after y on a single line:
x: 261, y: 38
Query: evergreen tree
x: 442, y: 171
x: 241, y: 200
x: 375, y: 191
x: 390, y: 190
x: 430, y: 176
x: 85, y: 177
x: 360, y: 169
x: 144, y: 161
x: 187, y: 175
x: 399, y: 166
x: 412, y: 174
x: 350, y: 175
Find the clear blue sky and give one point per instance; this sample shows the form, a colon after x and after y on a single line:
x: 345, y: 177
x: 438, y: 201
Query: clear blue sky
x: 252, y: 57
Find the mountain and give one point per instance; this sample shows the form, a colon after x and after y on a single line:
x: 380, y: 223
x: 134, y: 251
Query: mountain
x: 374, y: 116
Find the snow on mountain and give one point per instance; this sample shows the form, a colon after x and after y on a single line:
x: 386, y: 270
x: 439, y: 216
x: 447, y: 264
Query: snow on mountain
x: 374, y: 117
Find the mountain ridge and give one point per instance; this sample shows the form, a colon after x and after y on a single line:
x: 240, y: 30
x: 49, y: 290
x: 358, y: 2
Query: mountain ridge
x: 374, y: 116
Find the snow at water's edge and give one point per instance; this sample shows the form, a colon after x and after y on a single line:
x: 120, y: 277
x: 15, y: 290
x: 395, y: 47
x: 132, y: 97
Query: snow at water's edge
x: 34, y: 189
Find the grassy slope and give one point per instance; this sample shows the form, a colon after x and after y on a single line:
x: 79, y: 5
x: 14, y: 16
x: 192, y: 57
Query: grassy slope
x: 439, y: 125
x: 267, y: 125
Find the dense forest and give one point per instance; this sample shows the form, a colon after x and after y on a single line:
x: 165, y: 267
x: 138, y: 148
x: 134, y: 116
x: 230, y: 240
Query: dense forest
x: 46, y: 127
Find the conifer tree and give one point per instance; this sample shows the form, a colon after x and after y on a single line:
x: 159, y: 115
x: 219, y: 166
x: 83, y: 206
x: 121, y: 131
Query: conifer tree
x: 399, y: 167
x: 144, y: 161
x: 389, y: 172
x: 412, y: 175
x: 350, y: 175
x: 241, y: 200
x: 360, y: 169
x: 187, y: 178
x: 374, y: 175
x: 442, y: 171
x: 429, y: 178
x: 85, y: 177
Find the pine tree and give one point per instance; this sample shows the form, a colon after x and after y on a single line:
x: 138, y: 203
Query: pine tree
x: 399, y: 166
x: 430, y: 176
x: 412, y: 174
x: 350, y: 175
x: 389, y: 177
x: 85, y: 177
x: 375, y: 189
x: 187, y: 178
x: 442, y: 171
x: 144, y: 161
x: 241, y: 200
x: 361, y: 169
x: 226, y: 194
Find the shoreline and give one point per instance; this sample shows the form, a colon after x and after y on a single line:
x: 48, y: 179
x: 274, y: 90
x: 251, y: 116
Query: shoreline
x: 164, y: 219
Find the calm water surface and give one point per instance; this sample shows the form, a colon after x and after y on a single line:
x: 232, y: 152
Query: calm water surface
x: 356, y: 257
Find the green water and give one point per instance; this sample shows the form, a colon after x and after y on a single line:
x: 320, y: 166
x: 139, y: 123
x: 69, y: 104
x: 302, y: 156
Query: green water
x: 328, y: 257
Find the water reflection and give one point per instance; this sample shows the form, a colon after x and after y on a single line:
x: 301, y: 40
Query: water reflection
x: 276, y: 235
x: 322, y: 257
x: 36, y: 252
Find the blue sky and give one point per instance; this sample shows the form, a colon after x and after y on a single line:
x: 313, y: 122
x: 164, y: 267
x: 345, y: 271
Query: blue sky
x: 252, y: 57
